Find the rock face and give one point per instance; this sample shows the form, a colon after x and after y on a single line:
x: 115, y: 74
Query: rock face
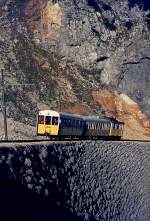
x: 75, y: 181
x: 68, y: 49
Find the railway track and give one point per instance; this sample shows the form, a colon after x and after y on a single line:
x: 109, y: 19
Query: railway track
x: 77, y: 140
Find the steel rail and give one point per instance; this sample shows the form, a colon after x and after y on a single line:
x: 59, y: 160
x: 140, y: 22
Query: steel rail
x: 67, y: 139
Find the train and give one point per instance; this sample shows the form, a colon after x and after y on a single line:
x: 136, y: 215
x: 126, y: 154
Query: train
x: 59, y: 125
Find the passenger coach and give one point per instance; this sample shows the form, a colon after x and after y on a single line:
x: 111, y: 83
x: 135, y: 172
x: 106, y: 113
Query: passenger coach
x: 62, y: 125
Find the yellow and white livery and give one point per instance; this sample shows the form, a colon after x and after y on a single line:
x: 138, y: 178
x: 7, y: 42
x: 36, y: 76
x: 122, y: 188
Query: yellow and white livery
x: 48, y: 123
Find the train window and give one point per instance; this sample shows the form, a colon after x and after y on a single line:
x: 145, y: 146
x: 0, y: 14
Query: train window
x: 75, y: 123
x: 66, y: 122
x: 63, y: 121
x: 69, y: 123
x: 80, y: 123
x: 47, y: 120
x: 87, y: 125
x: 55, y: 121
x: 72, y: 123
x: 41, y: 119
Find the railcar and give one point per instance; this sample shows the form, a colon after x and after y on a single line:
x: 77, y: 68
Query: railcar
x: 63, y: 125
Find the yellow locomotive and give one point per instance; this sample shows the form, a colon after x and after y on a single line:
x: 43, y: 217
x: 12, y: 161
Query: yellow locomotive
x: 63, y: 125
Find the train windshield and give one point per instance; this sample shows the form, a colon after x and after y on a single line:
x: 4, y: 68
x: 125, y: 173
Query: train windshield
x: 41, y: 119
x: 48, y: 120
x: 55, y: 121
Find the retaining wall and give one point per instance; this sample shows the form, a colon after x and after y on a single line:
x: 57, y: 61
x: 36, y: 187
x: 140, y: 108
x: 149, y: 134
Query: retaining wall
x: 94, y: 180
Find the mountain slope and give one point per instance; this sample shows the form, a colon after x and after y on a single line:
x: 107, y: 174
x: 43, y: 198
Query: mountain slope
x: 60, y: 54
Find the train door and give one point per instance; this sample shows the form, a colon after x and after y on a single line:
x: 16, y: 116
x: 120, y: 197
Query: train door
x: 40, y: 125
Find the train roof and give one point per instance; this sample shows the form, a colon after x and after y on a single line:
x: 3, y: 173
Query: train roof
x: 49, y: 113
x: 102, y: 119
x: 95, y: 118
x: 80, y: 117
x: 67, y: 115
x: 91, y: 118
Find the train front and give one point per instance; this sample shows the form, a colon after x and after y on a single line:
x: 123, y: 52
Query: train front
x: 48, y: 123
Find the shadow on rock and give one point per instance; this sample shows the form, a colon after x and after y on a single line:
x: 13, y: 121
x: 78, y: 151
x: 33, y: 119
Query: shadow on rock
x: 19, y: 204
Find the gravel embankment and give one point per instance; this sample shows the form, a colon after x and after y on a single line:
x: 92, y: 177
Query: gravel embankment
x: 88, y: 180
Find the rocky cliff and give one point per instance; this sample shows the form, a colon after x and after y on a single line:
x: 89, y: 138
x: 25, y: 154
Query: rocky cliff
x: 71, y: 55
